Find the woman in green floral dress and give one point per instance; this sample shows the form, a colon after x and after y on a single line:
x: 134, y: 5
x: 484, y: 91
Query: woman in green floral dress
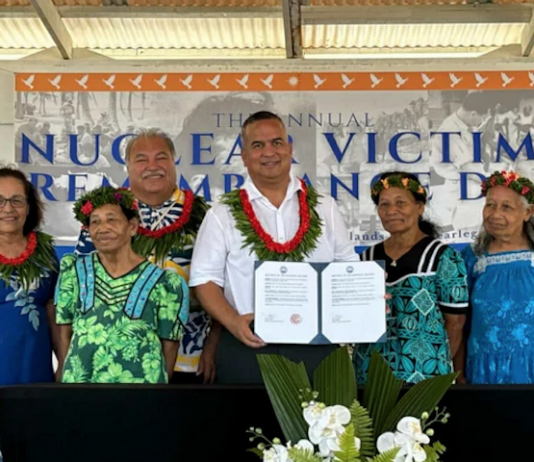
x: 120, y: 316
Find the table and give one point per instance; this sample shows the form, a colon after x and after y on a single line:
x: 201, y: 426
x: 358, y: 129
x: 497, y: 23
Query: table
x: 99, y: 423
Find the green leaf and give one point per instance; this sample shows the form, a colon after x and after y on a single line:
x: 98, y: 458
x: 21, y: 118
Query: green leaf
x: 387, y: 456
x: 381, y: 392
x: 257, y: 452
x: 422, y: 397
x: 434, y: 452
x: 334, y: 379
x: 283, y: 380
x: 303, y: 455
x: 348, y: 451
x: 363, y: 429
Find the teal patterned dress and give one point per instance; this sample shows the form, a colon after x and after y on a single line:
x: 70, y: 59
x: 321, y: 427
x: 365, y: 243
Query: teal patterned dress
x: 424, y: 283
x: 118, y: 323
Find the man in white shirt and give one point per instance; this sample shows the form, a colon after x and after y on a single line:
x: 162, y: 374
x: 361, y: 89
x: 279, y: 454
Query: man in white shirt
x: 222, y: 267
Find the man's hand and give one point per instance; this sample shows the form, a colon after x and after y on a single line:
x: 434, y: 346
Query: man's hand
x: 240, y: 329
x: 206, y: 365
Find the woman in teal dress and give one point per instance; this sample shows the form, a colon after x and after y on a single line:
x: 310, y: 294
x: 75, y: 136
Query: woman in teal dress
x: 427, y: 283
x: 500, y: 265
x: 121, y: 317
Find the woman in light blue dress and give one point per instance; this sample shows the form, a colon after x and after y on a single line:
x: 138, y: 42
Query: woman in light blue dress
x: 500, y: 266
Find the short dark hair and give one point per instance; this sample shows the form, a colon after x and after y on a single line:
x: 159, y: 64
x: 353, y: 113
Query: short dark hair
x: 426, y: 226
x: 34, y: 220
x: 257, y: 116
x: 476, y: 101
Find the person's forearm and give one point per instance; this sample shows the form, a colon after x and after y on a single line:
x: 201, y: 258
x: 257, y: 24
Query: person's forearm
x: 64, y: 337
x: 459, y: 358
x: 455, y: 329
x: 170, y: 352
x: 214, y: 334
x: 212, y: 299
x: 54, y: 328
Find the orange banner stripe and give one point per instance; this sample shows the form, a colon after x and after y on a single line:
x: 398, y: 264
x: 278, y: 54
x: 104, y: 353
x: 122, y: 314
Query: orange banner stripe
x: 320, y: 81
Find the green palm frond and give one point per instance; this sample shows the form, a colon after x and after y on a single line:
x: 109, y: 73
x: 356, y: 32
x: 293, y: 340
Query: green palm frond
x: 334, y: 379
x: 302, y: 455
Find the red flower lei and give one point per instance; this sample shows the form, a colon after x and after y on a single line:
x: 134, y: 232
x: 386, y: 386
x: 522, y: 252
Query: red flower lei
x: 269, y: 242
x: 182, y: 221
x: 30, y: 249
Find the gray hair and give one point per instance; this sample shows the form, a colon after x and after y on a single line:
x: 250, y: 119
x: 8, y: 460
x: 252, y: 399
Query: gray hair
x: 149, y: 133
x: 484, y: 239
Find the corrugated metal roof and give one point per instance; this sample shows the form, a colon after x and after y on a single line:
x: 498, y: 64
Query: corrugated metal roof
x: 250, y: 34
x: 411, y: 35
x: 24, y: 33
x: 245, y: 33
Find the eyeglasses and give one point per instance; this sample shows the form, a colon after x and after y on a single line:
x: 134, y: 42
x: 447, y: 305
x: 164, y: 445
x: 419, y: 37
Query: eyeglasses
x: 16, y: 202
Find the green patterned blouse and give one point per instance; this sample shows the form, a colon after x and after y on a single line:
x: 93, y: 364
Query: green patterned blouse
x: 118, y: 323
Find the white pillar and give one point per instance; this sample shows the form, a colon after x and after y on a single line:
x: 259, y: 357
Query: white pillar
x: 7, y: 117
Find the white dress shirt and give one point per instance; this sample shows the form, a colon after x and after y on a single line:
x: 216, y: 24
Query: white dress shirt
x: 219, y: 256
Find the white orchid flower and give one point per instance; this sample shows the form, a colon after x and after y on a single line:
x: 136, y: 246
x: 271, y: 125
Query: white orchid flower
x: 305, y: 445
x: 326, y: 430
x: 276, y: 453
x: 408, y: 439
x: 313, y: 412
x: 412, y: 427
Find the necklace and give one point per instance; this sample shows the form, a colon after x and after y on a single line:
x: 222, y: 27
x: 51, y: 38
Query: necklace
x: 266, y: 248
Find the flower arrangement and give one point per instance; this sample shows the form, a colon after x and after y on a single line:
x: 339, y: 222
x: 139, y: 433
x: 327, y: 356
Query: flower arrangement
x: 397, y: 181
x: 102, y: 196
x: 330, y: 424
x: 521, y: 185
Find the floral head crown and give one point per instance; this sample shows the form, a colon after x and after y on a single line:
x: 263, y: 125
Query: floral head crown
x: 103, y: 196
x: 397, y: 181
x: 521, y: 185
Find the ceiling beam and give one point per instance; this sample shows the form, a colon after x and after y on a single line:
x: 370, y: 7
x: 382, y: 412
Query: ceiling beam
x: 292, y: 28
x: 527, y: 38
x: 53, y: 23
x: 421, y: 14
x: 310, y: 15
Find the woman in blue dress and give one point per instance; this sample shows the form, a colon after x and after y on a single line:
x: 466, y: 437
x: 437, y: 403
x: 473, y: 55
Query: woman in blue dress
x: 427, y: 283
x: 28, y: 273
x: 500, y: 266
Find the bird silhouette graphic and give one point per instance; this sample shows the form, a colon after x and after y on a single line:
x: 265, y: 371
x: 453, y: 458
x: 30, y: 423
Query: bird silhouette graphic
x: 83, y: 81
x: 400, y: 80
x: 426, y: 80
x: 318, y: 81
x: 480, y: 80
x: 215, y: 81
x: 161, y: 81
x: 29, y: 81
x: 506, y: 80
x: 55, y: 81
x: 137, y: 81
x: 243, y: 81
x: 187, y: 81
x: 375, y: 81
x: 268, y: 81
x: 346, y: 80
x: 454, y: 80
x: 110, y: 81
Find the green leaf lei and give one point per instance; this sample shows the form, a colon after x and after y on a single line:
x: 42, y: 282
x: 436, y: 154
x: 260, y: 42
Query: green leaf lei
x: 31, y: 269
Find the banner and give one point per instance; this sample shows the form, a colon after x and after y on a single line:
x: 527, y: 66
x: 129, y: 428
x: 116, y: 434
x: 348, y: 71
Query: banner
x: 450, y: 128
